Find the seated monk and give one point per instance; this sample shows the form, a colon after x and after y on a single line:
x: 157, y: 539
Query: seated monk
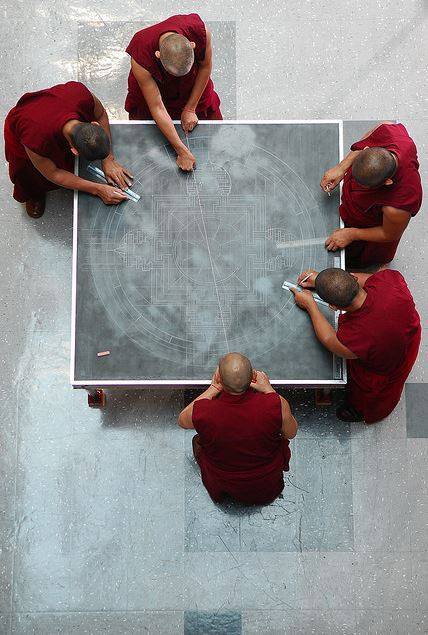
x: 170, y: 78
x: 379, y: 335
x: 381, y: 192
x: 45, y: 131
x: 243, y: 429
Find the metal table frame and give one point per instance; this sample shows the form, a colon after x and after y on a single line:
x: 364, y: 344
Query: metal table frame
x: 94, y: 386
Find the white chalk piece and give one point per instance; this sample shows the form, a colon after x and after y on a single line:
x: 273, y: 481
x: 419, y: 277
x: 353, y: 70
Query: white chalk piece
x: 103, y: 353
x: 290, y: 285
x: 100, y: 174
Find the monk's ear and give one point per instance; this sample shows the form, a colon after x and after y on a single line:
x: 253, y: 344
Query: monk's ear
x: 157, y: 54
x: 254, y: 379
x: 74, y: 151
x: 388, y: 182
x: 95, y: 123
x: 193, y: 45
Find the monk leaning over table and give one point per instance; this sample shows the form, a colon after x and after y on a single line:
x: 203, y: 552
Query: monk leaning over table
x: 170, y: 78
x: 45, y: 131
x: 381, y: 192
x: 243, y: 428
x: 379, y: 335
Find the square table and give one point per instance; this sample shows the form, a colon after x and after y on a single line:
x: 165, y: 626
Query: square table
x: 195, y: 268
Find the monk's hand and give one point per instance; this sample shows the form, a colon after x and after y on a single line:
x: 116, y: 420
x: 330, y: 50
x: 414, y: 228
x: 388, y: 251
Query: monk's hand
x: 186, y: 161
x: 262, y: 383
x: 216, y: 380
x: 304, y: 299
x: 309, y: 283
x: 189, y: 120
x: 110, y: 195
x: 116, y: 174
x: 340, y: 239
x: 332, y: 178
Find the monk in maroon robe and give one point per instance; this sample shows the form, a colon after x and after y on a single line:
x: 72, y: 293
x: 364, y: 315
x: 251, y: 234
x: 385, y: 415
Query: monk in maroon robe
x: 170, y: 78
x: 381, y: 192
x: 379, y: 335
x: 43, y: 134
x: 243, y: 428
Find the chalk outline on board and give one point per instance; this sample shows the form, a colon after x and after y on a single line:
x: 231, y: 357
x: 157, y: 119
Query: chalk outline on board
x: 75, y: 253
x: 302, y: 211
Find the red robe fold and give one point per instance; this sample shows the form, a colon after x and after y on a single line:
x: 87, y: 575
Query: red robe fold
x: 385, y: 334
x: 243, y: 453
x: 36, y: 122
x: 362, y: 206
x: 175, y: 91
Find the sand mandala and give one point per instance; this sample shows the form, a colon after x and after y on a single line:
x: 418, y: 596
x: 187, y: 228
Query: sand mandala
x: 194, y: 268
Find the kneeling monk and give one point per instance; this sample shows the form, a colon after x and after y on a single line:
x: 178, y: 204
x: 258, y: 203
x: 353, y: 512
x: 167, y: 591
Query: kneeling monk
x: 243, y: 429
x: 43, y: 133
x: 381, y: 192
x: 170, y: 78
x: 379, y: 336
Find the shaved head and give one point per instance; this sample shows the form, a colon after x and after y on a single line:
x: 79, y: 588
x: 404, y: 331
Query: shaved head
x: 337, y: 287
x: 373, y: 166
x: 236, y: 372
x: 91, y: 141
x: 176, y: 54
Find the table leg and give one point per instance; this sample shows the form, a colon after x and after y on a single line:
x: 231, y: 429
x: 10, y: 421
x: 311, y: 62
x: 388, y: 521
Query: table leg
x: 96, y: 398
x: 323, y: 397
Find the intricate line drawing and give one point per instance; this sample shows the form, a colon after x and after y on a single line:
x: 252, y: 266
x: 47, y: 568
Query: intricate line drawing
x: 195, y: 269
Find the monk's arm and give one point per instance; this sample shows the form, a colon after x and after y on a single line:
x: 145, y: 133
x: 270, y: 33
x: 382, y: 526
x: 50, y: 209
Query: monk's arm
x: 185, y: 416
x: 63, y: 178
x: 114, y: 172
x: 202, y: 78
x: 158, y: 111
x: 334, y: 175
x: 289, y: 423
x: 326, y: 333
x: 393, y: 225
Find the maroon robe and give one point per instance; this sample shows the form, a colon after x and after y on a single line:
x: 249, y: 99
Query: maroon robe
x: 243, y: 452
x: 384, y: 334
x: 36, y: 122
x: 175, y: 91
x: 362, y: 206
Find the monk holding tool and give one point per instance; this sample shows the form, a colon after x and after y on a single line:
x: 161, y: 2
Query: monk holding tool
x: 243, y: 429
x: 45, y: 131
x: 379, y: 335
x: 381, y: 192
x: 170, y: 78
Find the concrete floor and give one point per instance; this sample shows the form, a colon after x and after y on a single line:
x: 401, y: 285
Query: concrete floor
x: 104, y: 526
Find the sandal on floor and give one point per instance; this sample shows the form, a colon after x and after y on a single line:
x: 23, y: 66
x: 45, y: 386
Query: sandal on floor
x: 35, y: 208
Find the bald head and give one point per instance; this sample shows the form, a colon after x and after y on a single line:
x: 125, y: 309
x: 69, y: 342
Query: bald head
x: 176, y: 54
x: 91, y: 141
x: 373, y: 166
x: 337, y: 287
x: 236, y: 372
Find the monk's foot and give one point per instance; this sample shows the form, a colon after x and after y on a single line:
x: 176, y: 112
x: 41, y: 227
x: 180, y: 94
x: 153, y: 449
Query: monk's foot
x: 348, y: 413
x: 35, y: 207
